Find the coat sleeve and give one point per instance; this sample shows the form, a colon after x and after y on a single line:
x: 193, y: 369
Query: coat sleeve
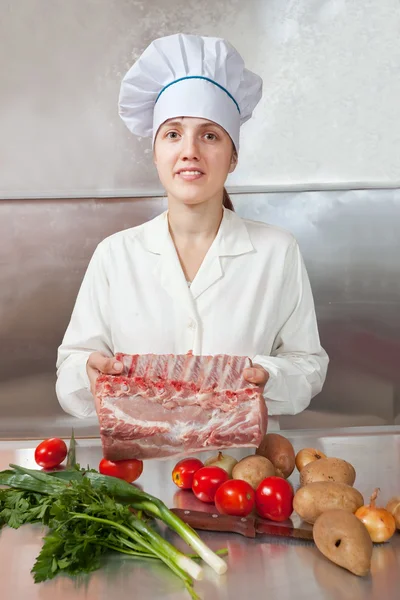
x: 297, y: 364
x: 88, y: 331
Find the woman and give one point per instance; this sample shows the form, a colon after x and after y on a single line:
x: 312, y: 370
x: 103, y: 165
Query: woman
x: 197, y: 278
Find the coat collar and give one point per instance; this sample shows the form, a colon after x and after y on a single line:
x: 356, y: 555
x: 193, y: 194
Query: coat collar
x: 232, y: 238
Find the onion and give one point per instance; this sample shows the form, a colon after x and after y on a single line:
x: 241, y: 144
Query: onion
x: 380, y: 522
x: 224, y: 461
x: 307, y: 455
x: 393, y: 506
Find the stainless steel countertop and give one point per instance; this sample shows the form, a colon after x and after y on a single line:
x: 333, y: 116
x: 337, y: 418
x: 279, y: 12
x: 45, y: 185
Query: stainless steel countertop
x: 269, y: 567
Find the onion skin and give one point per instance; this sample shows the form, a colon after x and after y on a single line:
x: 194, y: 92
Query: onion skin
x: 393, y: 506
x: 224, y: 461
x: 380, y: 523
x: 307, y: 455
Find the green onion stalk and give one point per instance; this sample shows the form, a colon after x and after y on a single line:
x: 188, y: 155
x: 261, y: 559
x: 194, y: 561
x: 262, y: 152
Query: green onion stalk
x: 153, y: 506
x: 154, y: 544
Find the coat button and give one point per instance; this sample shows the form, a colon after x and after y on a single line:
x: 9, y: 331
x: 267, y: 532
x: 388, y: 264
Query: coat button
x: 192, y: 324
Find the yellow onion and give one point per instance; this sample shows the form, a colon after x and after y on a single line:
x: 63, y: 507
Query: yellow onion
x: 393, y: 506
x: 307, y: 455
x: 380, y: 522
x: 224, y: 461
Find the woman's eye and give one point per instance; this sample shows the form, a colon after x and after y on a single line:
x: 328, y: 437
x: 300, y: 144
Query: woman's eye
x: 211, y: 136
x: 172, y: 135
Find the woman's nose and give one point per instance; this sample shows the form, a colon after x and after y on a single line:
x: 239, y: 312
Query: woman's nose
x: 190, y: 150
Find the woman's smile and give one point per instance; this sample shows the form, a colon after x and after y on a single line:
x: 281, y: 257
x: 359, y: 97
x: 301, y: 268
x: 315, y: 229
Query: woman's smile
x: 190, y: 174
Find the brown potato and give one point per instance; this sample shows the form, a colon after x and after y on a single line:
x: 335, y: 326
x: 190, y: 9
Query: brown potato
x: 280, y: 452
x: 311, y: 500
x: 344, y: 540
x: 253, y: 469
x: 393, y: 506
x: 328, y: 469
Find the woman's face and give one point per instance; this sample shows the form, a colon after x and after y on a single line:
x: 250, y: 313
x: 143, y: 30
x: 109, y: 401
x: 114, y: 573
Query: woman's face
x: 193, y: 158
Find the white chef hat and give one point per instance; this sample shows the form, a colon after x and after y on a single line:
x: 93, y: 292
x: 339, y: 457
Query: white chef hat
x: 188, y: 76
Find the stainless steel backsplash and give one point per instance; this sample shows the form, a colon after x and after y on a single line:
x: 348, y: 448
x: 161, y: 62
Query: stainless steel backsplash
x: 351, y: 245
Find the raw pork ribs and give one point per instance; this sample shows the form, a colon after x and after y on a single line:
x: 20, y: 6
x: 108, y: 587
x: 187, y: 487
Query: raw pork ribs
x: 171, y: 405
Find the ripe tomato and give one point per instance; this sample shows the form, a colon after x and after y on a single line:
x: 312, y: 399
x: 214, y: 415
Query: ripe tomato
x: 235, y: 497
x: 274, y: 499
x: 182, y: 475
x: 129, y: 470
x: 206, y: 481
x: 50, y: 453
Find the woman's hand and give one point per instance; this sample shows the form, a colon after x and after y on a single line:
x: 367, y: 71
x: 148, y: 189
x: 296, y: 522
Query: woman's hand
x: 97, y: 364
x: 256, y: 374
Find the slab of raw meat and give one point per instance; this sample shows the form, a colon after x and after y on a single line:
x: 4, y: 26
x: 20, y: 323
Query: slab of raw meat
x: 175, y: 405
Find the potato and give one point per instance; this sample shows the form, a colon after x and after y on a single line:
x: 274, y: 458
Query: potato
x: 280, y: 452
x: 253, y: 469
x: 315, y: 498
x: 328, y: 469
x: 393, y: 506
x: 344, y: 540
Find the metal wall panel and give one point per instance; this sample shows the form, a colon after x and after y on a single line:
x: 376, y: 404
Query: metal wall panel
x: 351, y: 245
x: 328, y: 117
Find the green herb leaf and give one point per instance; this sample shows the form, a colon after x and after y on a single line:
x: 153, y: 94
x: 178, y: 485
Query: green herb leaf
x: 19, y: 507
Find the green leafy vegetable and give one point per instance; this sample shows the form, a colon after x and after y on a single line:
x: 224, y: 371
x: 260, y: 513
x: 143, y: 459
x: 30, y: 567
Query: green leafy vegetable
x: 19, y: 507
x: 89, y: 514
x: 126, y: 493
x: 85, y: 523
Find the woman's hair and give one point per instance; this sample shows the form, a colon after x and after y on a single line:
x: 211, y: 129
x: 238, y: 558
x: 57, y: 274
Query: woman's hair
x: 226, y: 201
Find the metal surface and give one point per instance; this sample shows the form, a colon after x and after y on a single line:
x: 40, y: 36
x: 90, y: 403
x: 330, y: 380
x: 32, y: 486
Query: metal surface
x: 350, y: 242
x: 265, y: 567
x: 328, y: 116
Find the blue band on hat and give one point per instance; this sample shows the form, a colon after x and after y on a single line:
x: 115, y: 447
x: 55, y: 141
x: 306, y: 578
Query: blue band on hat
x: 205, y: 79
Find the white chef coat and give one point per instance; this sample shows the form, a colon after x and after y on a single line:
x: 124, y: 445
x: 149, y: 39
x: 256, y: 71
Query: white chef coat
x: 251, y: 296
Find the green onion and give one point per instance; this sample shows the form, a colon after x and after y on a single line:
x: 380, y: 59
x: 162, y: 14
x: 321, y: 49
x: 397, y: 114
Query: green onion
x: 143, y: 501
x: 23, y: 481
x: 71, y: 457
x: 164, y: 550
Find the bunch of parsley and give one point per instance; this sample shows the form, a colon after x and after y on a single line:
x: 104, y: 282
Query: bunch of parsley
x: 88, y: 515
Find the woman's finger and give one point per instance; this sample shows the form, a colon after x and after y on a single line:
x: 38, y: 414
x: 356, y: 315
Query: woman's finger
x: 256, y: 375
x: 104, y: 364
x: 98, y: 363
x: 93, y: 375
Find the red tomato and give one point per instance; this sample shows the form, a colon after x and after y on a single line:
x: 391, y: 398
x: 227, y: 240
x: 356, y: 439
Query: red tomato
x: 50, y: 453
x: 274, y: 499
x: 129, y: 470
x: 235, y: 497
x: 182, y: 475
x: 206, y: 481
